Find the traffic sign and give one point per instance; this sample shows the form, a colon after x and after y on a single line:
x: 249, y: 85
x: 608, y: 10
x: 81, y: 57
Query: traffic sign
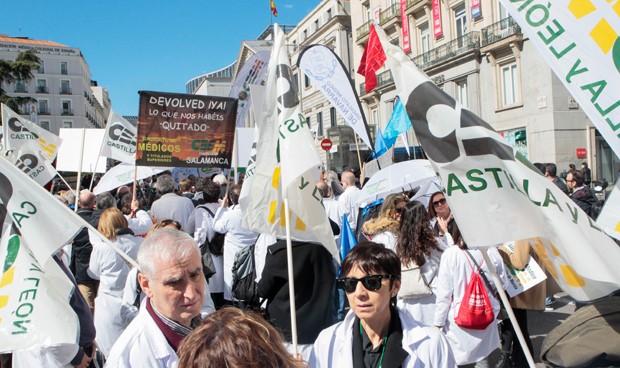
x: 326, y: 144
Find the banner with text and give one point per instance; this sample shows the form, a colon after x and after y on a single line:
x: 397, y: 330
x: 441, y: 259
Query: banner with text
x: 579, y: 40
x: 18, y: 132
x: 182, y: 130
x: 496, y: 195
x: 252, y: 72
x: 119, y: 141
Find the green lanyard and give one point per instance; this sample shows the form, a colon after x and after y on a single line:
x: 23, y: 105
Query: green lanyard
x: 382, y: 349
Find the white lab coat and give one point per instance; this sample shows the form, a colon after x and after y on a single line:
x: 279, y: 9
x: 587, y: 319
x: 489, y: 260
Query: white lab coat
x: 228, y: 221
x: 204, y: 230
x: 45, y: 357
x: 142, y: 345
x: 347, y: 203
x: 426, y: 346
x: 469, y: 346
x: 140, y: 224
x: 111, y: 270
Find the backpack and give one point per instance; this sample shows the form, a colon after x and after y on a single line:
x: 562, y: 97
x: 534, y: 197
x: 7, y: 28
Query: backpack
x: 215, y: 245
x: 476, y: 311
x: 244, y: 286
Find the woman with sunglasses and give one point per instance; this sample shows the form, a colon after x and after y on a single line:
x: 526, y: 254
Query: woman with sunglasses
x: 384, y: 228
x: 439, y: 212
x: 418, y: 246
x: 375, y: 333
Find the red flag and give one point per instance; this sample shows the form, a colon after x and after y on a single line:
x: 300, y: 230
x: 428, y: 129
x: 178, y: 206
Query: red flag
x: 372, y: 59
x: 274, y: 11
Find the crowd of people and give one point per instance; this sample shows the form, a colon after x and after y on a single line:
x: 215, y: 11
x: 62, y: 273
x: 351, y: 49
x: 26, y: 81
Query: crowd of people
x: 392, y: 301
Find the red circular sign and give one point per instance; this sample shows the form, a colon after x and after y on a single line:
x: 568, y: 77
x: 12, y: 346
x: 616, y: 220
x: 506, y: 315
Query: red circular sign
x: 326, y: 144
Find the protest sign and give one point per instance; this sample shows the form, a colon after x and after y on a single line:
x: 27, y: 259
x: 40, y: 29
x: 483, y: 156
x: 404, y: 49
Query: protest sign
x: 182, y: 130
x: 524, y: 279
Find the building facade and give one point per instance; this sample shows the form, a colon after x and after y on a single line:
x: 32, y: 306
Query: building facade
x: 476, y: 53
x: 61, y: 86
x: 215, y: 83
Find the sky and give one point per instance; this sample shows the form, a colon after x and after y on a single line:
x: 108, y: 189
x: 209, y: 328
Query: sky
x: 157, y: 45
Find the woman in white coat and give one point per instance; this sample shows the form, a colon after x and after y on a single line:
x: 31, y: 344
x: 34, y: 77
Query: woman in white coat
x: 455, y: 270
x: 375, y: 333
x: 417, y: 245
x: 111, y: 270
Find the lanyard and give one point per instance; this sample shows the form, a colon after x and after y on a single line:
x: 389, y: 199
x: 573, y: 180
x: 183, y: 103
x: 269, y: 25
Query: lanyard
x: 382, y: 349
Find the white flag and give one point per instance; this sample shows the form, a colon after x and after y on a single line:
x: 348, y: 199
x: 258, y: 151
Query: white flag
x: 19, y: 132
x: 123, y: 174
x: 252, y: 73
x: 328, y: 73
x: 578, y: 39
x: 34, y: 300
x: 496, y: 195
x: 119, y: 141
x: 31, y: 161
x: 286, y: 164
x: 609, y: 218
x: 44, y: 223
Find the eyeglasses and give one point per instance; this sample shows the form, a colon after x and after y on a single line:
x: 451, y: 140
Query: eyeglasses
x: 371, y: 283
x: 439, y: 202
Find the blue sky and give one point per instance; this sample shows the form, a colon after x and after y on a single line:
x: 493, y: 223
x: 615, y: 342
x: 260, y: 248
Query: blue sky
x: 157, y: 45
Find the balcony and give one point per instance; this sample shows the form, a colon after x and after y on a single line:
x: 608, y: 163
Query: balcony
x: 383, y: 79
x: 66, y: 112
x: 412, y: 3
x: 454, y: 48
x: 65, y: 91
x: 44, y: 111
x: 363, y: 30
x: 495, y: 32
x: 42, y: 89
x: 391, y: 13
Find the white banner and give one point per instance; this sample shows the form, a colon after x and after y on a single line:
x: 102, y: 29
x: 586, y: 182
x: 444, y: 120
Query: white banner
x: 496, y: 195
x: 29, y: 159
x: 119, y: 141
x: 34, y: 300
x: 252, y: 72
x: 578, y: 39
x: 284, y: 149
x: 326, y: 71
x: 19, y: 132
x: 123, y: 174
x: 609, y: 218
x: 44, y: 222
x: 69, y: 154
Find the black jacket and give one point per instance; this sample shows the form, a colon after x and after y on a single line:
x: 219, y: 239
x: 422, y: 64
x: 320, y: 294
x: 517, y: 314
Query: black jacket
x: 314, y: 272
x: 82, y: 249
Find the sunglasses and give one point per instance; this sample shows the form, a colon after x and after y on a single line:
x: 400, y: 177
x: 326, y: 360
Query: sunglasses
x: 371, y: 283
x: 439, y: 202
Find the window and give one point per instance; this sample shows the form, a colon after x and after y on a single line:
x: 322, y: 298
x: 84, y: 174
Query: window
x: 20, y: 86
x: 45, y: 125
x: 66, y: 108
x: 308, y: 121
x: 43, y: 107
x: 63, y: 68
x: 67, y: 124
x: 65, y: 87
x: 460, y: 18
x: 503, y: 14
x: 41, y: 68
x: 306, y: 81
x: 329, y: 13
x: 332, y: 116
x: 319, y: 123
x: 305, y: 34
x: 42, y: 86
x: 510, y: 84
x: 316, y: 25
x: 461, y: 92
x: 375, y: 116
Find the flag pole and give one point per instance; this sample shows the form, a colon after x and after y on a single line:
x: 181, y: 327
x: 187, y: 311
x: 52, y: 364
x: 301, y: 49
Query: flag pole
x: 77, y: 184
x: 291, y: 278
x: 135, y: 175
x: 235, y: 157
x: 504, y: 300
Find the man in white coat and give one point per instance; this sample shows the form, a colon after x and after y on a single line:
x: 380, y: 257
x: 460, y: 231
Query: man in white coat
x: 171, y: 276
x: 348, y: 200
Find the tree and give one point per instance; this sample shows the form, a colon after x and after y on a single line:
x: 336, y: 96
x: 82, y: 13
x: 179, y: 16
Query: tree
x: 20, y: 69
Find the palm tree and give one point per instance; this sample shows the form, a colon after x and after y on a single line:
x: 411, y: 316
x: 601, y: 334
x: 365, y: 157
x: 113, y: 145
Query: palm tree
x: 20, y: 69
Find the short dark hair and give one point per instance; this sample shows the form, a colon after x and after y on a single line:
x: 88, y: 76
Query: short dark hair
x: 551, y: 169
x: 577, y: 177
x: 234, y: 192
x: 210, y: 191
x: 372, y: 258
x: 105, y: 200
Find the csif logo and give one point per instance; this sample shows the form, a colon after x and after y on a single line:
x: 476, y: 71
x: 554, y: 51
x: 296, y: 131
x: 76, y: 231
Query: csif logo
x: 208, y: 145
x: 17, y: 126
x: 27, y: 162
x: 121, y: 134
x: 8, y: 268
